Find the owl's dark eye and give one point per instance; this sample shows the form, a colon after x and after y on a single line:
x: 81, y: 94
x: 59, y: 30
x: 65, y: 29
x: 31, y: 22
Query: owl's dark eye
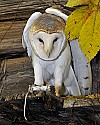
x: 55, y: 40
x: 40, y: 40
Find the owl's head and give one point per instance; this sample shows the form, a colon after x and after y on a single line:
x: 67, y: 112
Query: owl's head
x: 46, y: 36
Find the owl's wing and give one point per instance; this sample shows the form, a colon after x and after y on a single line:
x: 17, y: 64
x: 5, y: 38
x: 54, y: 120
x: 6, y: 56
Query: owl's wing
x: 56, y: 12
x: 25, y: 37
x: 72, y: 84
x: 82, y: 67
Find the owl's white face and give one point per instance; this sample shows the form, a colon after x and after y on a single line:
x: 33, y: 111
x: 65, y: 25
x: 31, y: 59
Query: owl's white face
x: 47, y: 46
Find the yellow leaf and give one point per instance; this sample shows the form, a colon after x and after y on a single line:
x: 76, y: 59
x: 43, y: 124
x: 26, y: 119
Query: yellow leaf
x: 90, y: 36
x: 95, y: 2
x: 75, y: 22
x: 72, y: 3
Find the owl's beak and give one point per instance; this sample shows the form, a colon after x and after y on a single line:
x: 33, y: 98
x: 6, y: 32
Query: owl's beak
x: 48, y: 49
x: 48, y: 53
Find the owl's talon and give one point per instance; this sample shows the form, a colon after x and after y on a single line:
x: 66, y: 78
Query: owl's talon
x: 30, y: 89
x: 35, y: 92
x: 57, y: 89
x: 48, y: 88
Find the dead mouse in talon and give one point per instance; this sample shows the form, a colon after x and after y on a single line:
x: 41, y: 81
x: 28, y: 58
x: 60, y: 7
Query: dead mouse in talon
x: 36, y: 89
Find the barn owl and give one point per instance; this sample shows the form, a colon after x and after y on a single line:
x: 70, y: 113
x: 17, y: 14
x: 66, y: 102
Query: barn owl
x: 46, y: 44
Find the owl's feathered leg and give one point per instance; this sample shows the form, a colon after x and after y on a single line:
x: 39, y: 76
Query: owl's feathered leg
x: 62, y: 67
x: 82, y: 68
x: 58, y: 81
x: 71, y: 83
x: 38, y: 74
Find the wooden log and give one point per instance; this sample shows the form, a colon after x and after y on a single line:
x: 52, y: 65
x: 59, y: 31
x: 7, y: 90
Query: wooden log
x: 15, y: 76
x: 11, y: 9
x: 13, y: 17
x: 79, y: 101
x: 11, y: 38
